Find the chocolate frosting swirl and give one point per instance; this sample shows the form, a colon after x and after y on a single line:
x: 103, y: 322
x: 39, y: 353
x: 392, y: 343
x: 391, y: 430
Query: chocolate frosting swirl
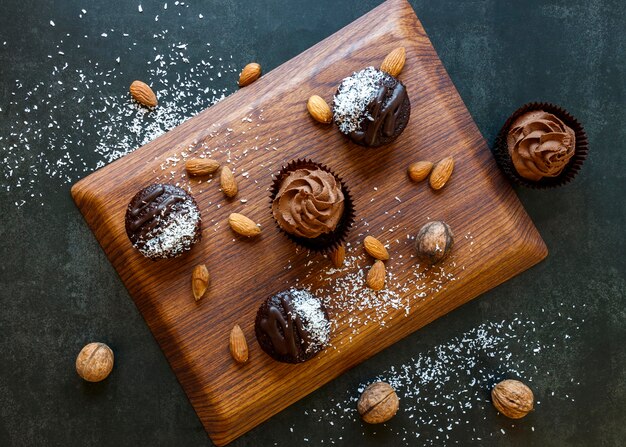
x: 540, y: 145
x: 309, y: 203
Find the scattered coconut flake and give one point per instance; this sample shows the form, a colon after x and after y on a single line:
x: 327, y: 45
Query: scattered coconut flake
x: 445, y: 388
x: 107, y: 124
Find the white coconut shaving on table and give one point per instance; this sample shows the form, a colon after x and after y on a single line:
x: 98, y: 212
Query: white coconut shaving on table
x: 444, y: 389
x: 107, y: 124
x: 353, y: 96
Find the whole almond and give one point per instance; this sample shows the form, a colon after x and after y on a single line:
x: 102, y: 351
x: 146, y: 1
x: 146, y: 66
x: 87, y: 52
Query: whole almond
x: 198, y: 167
x: 376, y: 276
x: 375, y: 248
x: 441, y: 173
x: 238, y: 345
x: 338, y: 256
x: 319, y: 109
x: 394, y: 62
x: 418, y: 171
x: 228, y: 182
x: 199, y: 281
x: 143, y: 94
x: 243, y: 225
x: 249, y: 74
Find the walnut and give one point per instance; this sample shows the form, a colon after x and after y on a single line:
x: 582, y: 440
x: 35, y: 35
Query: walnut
x: 378, y: 403
x: 434, y: 242
x: 94, y: 362
x: 512, y: 398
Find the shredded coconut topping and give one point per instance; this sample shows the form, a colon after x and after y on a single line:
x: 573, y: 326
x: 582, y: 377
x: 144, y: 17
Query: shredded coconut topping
x: 353, y: 96
x: 309, y: 309
x: 174, y: 236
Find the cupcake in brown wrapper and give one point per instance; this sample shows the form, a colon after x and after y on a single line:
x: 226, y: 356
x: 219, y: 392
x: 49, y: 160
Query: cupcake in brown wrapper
x: 541, y: 146
x: 311, y: 205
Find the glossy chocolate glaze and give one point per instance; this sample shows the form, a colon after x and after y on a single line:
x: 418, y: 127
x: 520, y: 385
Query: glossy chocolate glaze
x: 282, y: 331
x: 164, y: 207
x: 285, y: 332
x: 384, y: 109
x: 159, y: 207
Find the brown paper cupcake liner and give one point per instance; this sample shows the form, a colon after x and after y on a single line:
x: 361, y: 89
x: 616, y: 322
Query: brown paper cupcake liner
x: 501, y: 151
x: 324, y: 243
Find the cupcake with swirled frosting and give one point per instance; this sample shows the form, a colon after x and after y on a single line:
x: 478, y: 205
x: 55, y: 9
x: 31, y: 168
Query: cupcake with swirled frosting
x: 541, y: 146
x: 311, y: 205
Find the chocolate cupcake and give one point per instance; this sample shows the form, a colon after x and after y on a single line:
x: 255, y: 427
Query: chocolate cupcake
x: 292, y: 326
x: 371, y: 107
x: 311, y: 205
x: 163, y: 221
x: 541, y: 146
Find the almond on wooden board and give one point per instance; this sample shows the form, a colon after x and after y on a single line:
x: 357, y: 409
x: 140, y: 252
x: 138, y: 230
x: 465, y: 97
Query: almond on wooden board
x: 243, y: 225
x: 228, y: 182
x: 338, y: 256
x: 441, y: 173
x: 375, y: 248
x: 143, y: 94
x: 319, y: 109
x: 376, y: 276
x: 394, y: 62
x: 238, y: 345
x: 249, y: 74
x: 419, y: 170
x: 198, y: 167
x: 199, y: 281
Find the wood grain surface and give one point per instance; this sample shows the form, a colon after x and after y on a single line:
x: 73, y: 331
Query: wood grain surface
x: 257, y: 130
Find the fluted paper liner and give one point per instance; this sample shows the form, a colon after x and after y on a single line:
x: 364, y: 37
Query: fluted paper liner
x: 327, y: 242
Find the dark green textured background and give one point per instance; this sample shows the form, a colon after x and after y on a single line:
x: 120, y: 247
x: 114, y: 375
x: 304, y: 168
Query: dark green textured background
x: 58, y: 291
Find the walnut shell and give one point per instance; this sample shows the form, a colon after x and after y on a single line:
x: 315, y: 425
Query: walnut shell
x: 378, y: 403
x: 94, y: 362
x: 512, y: 398
x: 434, y: 242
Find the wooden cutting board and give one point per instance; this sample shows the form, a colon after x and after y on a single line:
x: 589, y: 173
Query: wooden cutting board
x: 257, y: 130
